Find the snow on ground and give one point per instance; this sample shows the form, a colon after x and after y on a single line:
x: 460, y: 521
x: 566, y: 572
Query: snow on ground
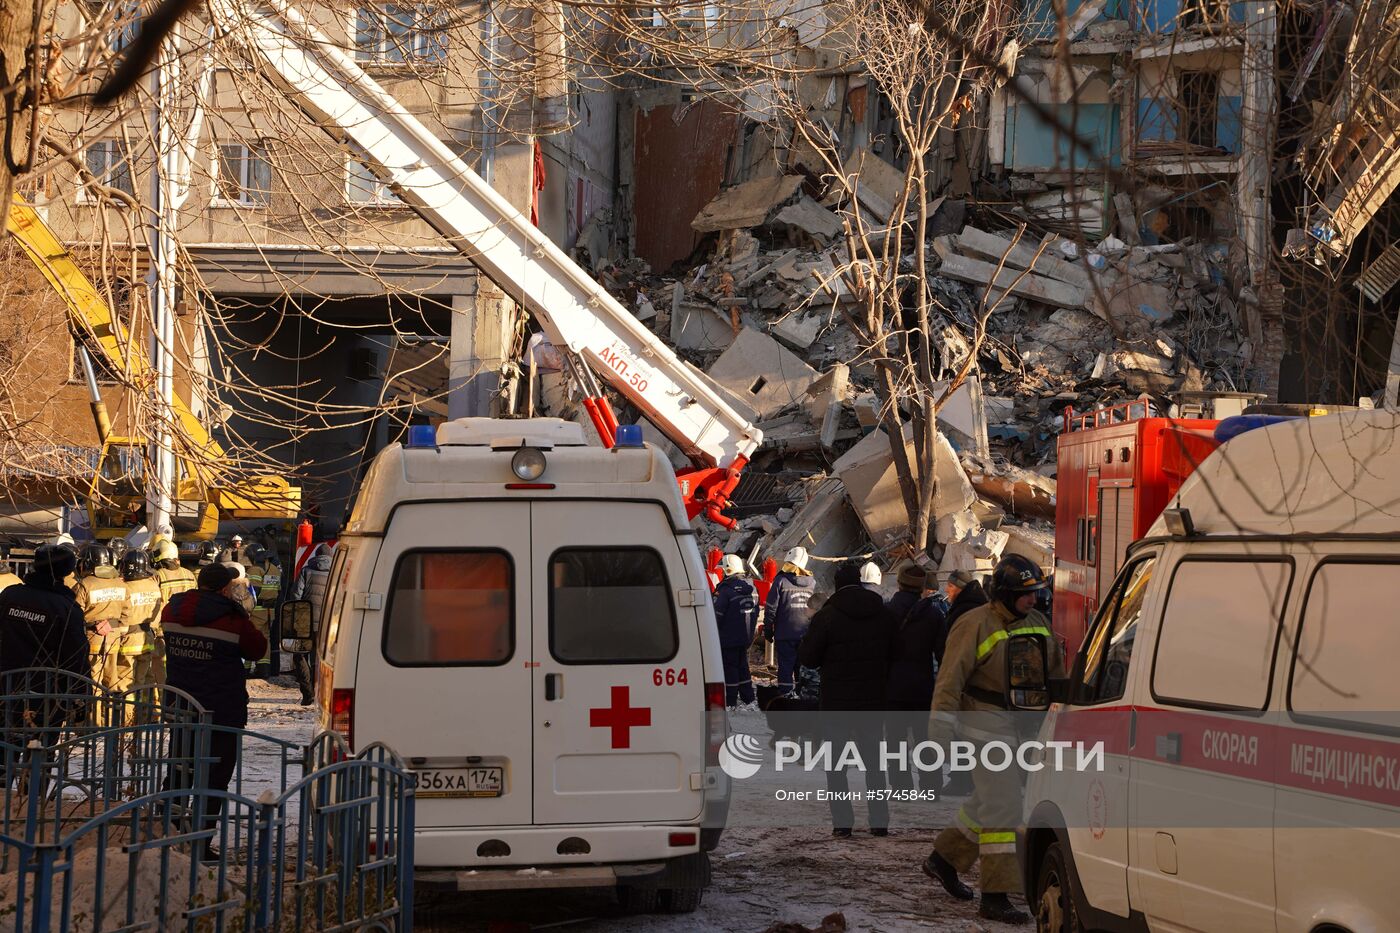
x: 761, y: 877
x: 763, y: 874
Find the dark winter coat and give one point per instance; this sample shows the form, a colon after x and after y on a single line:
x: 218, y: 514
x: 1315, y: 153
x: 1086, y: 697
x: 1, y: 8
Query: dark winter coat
x: 921, y: 633
x: 42, y: 626
x: 850, y: 640
x: 207, y: 638
x: 788, y: 613
x: 736, y: 612
x: 970, y: 598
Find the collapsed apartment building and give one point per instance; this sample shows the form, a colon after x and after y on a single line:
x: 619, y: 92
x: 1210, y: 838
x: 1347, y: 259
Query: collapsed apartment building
x: 1134, y: 154
x: 1124, y: 199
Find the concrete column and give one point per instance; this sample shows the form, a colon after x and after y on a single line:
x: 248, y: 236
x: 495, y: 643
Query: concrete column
x: 1263, y: 299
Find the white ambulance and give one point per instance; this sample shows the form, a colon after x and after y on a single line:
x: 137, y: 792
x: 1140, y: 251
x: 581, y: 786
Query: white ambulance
x: 525, y: 619
x: 1243, y: 674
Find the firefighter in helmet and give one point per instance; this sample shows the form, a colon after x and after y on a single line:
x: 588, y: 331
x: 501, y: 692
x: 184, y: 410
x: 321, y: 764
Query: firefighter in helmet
x: 264, y: 583
x: 101, y: 596
x: 972, y: 695
x: 136, y: 651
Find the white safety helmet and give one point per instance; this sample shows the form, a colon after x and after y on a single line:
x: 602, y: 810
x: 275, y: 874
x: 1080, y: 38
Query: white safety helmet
x: 166, y: 550
x: 869, y: 573
x: 731, y: 564
x: 237, y: 568
x: 797, y: 557
x: 236, y: 539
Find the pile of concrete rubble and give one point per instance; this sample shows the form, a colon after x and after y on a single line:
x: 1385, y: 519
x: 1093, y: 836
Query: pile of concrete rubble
x: 1072, y: 328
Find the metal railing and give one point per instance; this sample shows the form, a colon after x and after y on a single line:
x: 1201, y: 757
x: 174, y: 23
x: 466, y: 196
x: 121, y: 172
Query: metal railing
x: 109, y: 824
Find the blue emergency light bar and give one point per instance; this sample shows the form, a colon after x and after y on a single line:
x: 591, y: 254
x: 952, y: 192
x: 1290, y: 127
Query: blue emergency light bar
x: 421, y: 436
x: 629, y: 436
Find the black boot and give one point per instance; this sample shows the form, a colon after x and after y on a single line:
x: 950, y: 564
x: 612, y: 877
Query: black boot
x: 937, y: 868
x: 998, y: 907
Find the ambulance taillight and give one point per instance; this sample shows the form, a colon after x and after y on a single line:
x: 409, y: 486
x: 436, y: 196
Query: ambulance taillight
x: 343, y: 715
x: 716, y: 723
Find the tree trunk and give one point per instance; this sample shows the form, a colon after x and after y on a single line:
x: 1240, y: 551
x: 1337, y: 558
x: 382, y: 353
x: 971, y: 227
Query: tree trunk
x: 16, y: 37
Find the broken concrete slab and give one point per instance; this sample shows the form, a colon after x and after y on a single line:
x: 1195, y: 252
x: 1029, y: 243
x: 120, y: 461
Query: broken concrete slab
x: 746, y: 205
x: 784, y: 260
x: 798, y: 331
x: 1022, y: 256
x: 762, y: 372
x: 832, y: 387
x: 1031, y: 543
x: 868, y: 472
x: 965, y: 414
x: 811, y: 218
x: 699, y: 327
x: 1020, y: 283
x: 1120, y: 360
x: 825, y: 525
x: 1126, y: 299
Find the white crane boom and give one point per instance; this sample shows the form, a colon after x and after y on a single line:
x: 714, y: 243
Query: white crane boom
x: 574, y: 310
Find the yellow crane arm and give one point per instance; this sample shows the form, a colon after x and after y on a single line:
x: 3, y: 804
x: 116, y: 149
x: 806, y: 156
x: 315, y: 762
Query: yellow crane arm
x: 263, y: 497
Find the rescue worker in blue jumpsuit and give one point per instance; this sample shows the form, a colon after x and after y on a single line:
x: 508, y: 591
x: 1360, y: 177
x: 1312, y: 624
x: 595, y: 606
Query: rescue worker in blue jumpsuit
x: 736, y: 614
x: 787, y: 613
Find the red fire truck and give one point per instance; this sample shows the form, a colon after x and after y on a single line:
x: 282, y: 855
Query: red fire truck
x: 1118, y: 468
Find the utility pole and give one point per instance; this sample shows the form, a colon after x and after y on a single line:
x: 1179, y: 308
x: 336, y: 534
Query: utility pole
x: 170, y: 187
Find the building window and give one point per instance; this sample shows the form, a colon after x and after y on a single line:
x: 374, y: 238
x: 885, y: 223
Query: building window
x: 244, y: 176
x: 362, y: 187
x: 107, y: 161
x: 1199, y: 91
x: 686, y: 16
x: 121, y: 22
x: 401, y: 34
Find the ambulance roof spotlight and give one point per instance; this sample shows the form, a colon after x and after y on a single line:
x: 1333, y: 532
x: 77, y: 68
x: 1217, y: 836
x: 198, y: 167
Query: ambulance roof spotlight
x: 1178, y: 522
x: 421, y: 436
x: 629, y: 436
x: 528, y: 463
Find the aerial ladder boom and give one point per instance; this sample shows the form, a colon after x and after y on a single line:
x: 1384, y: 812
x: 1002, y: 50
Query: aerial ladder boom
x: 574, y: 310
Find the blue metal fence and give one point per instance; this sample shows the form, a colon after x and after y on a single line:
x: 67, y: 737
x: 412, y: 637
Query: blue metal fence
x: 109, y: 823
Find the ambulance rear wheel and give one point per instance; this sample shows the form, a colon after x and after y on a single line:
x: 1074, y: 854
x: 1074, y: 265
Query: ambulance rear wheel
x: 639, y: 900
x: 681, y: 900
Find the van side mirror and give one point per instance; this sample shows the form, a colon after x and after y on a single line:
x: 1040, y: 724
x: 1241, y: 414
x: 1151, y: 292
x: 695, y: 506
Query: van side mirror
x: 1027, y: 672
x: 298, y: 636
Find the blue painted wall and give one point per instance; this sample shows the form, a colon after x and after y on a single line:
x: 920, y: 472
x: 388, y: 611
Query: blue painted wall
x: 1161, y: 15
x: 1033, y: 145
x: 1041, y: 15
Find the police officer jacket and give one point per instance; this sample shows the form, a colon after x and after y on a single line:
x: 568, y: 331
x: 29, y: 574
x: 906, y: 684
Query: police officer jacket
x: 207, y: 638
x: 102, y: 597
x: 787, y: 614
x: 42, y: 626
x: 736, y: 611
x: 973, y: 675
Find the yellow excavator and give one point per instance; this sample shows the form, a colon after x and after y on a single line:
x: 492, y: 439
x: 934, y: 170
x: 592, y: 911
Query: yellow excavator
x: 205, y: 493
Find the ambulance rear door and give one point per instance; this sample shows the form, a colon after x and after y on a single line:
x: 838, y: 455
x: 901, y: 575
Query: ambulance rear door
x: 619, y: 692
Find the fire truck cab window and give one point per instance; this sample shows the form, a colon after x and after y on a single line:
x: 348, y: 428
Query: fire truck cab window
x: 1109, y: 648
